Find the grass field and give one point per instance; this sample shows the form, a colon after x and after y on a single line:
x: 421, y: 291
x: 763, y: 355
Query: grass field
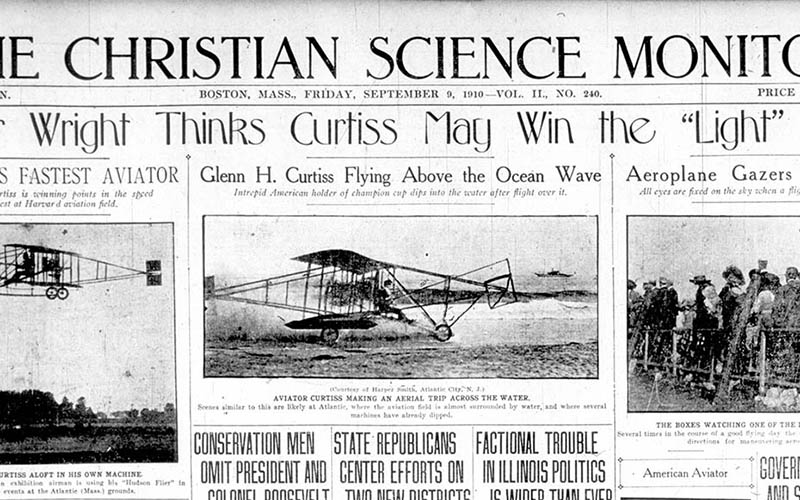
x: 100, y: 443
x: 398, y: 359
x: 648, y: 392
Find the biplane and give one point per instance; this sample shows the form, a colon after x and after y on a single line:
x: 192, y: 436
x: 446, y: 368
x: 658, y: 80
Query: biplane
x: 344, y: 290
x: 37, y: 271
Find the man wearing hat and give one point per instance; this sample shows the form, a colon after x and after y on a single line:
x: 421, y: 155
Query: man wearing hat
x: 664, y: 314
x: 705, y: 319
x: 644, y: 318
x: 648, y: 311
x: 667, y: 299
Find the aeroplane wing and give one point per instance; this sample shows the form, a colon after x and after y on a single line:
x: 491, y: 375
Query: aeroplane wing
x: 358, y: 264
x: 37, y: 249
x: 335, y: 321
x: 346, y: 260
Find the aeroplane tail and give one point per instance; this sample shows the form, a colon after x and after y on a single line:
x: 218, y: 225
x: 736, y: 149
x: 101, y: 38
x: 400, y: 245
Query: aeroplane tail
x: 500, y: 291
x: 209, y: 286
x: 153, y: 271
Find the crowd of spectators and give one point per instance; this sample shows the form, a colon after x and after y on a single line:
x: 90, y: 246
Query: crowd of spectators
x: 706, y: 324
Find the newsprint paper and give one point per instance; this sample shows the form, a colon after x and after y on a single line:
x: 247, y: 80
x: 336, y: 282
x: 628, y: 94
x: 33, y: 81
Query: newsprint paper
x: 399, y: 250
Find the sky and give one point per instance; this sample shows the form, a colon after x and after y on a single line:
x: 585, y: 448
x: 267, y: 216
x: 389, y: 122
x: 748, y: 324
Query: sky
x: 238, y: 249
x: 112, y: 343
x: 682, y: 247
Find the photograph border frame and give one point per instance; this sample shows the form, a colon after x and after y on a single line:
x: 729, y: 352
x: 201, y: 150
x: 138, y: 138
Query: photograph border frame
x: 598, y: 349
x: 171, y: 225
x: 627, y: 273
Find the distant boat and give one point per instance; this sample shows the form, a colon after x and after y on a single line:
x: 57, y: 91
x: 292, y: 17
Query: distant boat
x: 554, y: 273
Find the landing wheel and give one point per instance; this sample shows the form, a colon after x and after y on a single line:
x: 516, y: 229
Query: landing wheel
x: 63, y: 293
x: 51, y: 293
x: 329, y: 335
x: 443, y: 333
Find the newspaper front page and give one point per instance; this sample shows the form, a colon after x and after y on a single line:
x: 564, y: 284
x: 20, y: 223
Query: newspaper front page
x: 399, y: 250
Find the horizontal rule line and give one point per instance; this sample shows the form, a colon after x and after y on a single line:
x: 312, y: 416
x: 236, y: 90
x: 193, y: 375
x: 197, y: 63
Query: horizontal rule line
x: 691, y: 486
x: 55, y: 158
x: 115, y: 498
x: 432, y: 85
x: 745, y: 201
x: 731, y: 155
x: 405, y: 425
x: 400, y: 157
x: 391, y: 204
x: 56, y: 215
x: 705, y: 459
x: 538, y: 103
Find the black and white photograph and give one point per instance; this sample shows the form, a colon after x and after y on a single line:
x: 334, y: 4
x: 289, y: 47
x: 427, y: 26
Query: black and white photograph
x: 713, y: 307
x: 87, y: 353
x: 400, y: 297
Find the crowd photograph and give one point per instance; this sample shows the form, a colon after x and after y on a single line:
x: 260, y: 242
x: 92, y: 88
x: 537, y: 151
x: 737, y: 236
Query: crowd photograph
x: 713, y: 312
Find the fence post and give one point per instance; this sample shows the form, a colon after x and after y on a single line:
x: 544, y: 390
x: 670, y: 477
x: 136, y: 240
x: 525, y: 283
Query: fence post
x: 711, y: 369
x: 762, y: 362
x: 646, y: 349
x: 674, y: 353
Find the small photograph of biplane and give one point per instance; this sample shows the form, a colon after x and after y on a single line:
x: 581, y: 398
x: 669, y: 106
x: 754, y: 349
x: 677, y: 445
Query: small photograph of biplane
x: 394, y: 297
x: 38, y: 271
x: 87, y: 351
